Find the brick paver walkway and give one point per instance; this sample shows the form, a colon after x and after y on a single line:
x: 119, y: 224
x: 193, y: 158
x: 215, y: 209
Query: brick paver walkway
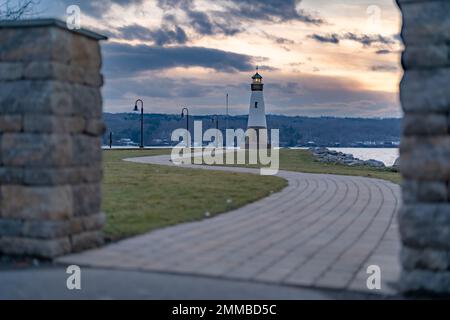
x: 321, y: 231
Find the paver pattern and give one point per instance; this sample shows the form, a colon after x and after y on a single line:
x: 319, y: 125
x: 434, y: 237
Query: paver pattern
x: 321, y: 231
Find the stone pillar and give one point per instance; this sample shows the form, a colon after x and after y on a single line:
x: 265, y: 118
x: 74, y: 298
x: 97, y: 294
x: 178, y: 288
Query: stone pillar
x: 50, y: 139
x: 425, y: 148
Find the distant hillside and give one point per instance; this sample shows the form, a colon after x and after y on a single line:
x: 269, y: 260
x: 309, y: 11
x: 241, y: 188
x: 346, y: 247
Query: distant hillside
x: 294, y: 131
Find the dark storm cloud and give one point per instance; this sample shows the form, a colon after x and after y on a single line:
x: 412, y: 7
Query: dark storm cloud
x: 318, y: 95
x: 157, y: 87
x: 98, y: 8
x: 313, y: 95
x: 201, y: 22
x: 160, y: 37
x: 364, y: 39
x: 383, y: 51
x: 287, y: 88
x: 124, y: 59
x: 384, y: 68
x: 229, y: 21
x: 273, y: 10
x: 368, y: 40
x: 330, y: 38
x: 281, y: 40
x: 277, y: 39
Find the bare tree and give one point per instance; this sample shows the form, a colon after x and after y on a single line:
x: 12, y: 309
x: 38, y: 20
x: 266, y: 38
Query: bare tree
x: 16, y: 9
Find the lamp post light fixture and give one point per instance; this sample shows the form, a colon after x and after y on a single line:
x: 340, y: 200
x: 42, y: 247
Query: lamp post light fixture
x: 187, y: 117
x: 136, y: 109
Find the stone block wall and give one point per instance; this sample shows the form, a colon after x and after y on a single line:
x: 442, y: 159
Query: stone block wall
x: 425, y: 148
x: 50, y: 139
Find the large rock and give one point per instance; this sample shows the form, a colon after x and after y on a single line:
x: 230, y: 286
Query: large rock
x: 331, y: 156
x: 374, y: 163
x: 396, y: 165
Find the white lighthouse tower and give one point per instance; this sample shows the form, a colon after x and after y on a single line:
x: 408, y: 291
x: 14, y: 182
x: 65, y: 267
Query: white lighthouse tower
x: 257, y: 111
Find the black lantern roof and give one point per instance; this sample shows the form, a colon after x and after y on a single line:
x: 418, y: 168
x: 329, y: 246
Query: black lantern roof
x: 257, y: 76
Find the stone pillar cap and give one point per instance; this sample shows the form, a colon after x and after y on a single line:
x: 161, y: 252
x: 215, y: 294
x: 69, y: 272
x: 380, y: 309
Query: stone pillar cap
x: 49, y: 23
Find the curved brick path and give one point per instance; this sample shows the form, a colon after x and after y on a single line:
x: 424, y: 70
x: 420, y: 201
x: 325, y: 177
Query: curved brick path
x: 320, y: 231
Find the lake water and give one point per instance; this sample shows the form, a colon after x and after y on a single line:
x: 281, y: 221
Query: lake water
x: 386, y: 155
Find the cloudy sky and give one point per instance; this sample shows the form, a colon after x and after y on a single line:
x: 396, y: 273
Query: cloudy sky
x: 317, y: 57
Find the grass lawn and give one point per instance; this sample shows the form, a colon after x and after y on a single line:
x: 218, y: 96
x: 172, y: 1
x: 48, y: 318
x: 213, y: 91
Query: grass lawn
x: 303, y: 161
x: 140, y: 197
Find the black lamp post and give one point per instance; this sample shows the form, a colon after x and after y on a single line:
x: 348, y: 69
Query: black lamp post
x: 142, y: 119
x: 216, y: 120
x: 226, y: 124
x: 187, y: 120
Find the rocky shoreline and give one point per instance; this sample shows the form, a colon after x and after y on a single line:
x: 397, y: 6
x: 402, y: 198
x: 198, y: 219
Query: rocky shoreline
x: 326, y: 155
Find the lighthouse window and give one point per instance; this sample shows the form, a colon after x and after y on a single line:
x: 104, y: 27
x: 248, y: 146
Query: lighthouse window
x: 256, y: 104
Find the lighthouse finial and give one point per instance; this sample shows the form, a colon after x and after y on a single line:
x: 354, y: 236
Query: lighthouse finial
x: 257, y: 68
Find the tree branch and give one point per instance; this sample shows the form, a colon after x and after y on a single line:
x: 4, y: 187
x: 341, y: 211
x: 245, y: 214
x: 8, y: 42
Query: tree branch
x: 16, y: 10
